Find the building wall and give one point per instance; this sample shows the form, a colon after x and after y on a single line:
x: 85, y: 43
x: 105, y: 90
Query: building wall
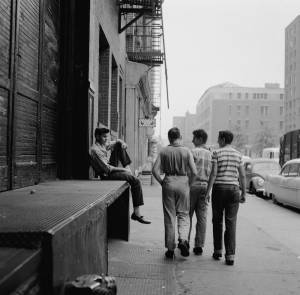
x: 137, y: 107
x: 292, y: 75
x: 106, y: 66
x: 228, y: 106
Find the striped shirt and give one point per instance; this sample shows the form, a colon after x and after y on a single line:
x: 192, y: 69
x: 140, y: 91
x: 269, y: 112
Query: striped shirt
x: 228, y: 161
x: 203, y: 161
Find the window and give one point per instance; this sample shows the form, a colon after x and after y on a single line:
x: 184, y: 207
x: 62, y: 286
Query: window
x: 264, y: 111
x: 229, y: 110
x: 239, y: 95
x: 285, y: 170
x: 265, y: 95
x: 281, y: 111
x: 247, y: 124
x: 230, y: 95
x: 246, y: 95
x: 294, y: 170
x: 254, y: 95
x: 281, y: 125
x: 238, y: 122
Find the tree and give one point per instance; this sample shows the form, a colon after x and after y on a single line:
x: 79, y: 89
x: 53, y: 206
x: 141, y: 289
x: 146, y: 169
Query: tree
x: 240, y: 140
x: 263, y: 139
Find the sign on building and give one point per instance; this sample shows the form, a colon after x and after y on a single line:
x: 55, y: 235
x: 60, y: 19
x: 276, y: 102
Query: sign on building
x: 147, y: 122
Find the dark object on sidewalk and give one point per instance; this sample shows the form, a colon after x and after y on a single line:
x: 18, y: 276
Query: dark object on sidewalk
x: 184, y: 248
x: 139, y: 219
x: 198, y: 251
x: 216, y: 256
x: 229, y: 262
x: 92, y: 284
x: 170, y: 254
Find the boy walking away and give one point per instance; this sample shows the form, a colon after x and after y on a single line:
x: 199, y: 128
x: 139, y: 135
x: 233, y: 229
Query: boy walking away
x: 198, y: 188
x: 227, y: 170
x: 174, y: 161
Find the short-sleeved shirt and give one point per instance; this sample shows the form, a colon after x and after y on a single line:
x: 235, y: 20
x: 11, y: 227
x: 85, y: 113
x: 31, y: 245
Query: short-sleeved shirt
x: 203, y: 161
x: 228, y: 161
x: 174, y: 159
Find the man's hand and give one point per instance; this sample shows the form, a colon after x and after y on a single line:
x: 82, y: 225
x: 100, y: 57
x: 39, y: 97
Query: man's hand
x: 207, y: 197
x: 123, y: 144
x: 243, y: 197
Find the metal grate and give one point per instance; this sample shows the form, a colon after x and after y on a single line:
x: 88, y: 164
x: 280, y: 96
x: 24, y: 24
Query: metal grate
x: 27, y: 215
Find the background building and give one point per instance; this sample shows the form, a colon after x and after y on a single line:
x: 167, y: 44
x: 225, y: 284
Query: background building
x: 292, y: 75
x: 255, y: 115
x: 186, y: 124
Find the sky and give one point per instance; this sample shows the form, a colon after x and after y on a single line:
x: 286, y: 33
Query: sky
x: 209, y: 42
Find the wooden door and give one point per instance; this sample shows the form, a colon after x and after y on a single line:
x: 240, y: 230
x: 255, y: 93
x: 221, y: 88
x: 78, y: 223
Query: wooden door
x: 29, y: 77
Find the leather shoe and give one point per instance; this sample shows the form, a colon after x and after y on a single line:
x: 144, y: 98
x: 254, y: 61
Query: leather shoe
x: 229, y: 262
x: 184, y: 248
x: 140, y: 219
x: 170, y: 254
x: 198, y: 250
x: 216, y: 256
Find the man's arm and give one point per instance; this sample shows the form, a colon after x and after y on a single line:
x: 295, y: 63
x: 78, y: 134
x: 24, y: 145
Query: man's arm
x: 156, y: 170
x: 243, y: 183
x: 100, y: 164
x: 114, y: 142
x: 212, y: 178
x: 192, y: 165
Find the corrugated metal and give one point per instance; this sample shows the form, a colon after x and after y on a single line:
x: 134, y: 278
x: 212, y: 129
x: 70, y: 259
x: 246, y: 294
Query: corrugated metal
x: 3, y: 139
x: 5, y: 20
x: 28, y: 51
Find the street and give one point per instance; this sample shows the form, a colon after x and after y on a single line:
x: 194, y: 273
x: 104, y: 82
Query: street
x: 267, y: 258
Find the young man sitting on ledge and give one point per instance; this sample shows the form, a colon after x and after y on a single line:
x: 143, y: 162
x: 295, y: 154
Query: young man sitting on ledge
x: 106, y: 156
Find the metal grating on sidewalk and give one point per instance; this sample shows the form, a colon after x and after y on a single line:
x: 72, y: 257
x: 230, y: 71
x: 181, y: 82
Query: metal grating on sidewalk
x: 140, y: 270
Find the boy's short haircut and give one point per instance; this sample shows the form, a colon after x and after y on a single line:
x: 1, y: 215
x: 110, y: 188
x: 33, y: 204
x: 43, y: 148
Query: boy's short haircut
x: 173, y: 133
x: 200, y: 133
x: 226, y: 135
x: 100, y: 131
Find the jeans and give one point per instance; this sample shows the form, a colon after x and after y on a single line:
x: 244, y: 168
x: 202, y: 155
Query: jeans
x: 118, y: 156
x: 198, y: 205
x: 225, y: 199
x: 176, y: 204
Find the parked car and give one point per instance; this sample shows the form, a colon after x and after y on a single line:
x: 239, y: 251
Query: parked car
x: 284, y: 187
x: 256, y: 171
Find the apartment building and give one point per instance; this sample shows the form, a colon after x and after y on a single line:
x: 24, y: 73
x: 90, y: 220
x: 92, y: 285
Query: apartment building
x: 248, y: 109
x: 187, y: 124
x: 292, y: 76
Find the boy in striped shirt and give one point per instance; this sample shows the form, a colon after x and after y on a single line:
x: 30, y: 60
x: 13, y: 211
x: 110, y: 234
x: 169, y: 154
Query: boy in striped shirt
x: 227, y: 170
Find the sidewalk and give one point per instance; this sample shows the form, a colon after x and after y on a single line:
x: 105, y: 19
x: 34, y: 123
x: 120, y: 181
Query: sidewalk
x: 263, y: 265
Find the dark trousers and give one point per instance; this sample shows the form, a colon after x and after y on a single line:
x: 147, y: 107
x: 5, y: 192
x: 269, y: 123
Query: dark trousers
x: 120, y: 156
x: 225, y: 199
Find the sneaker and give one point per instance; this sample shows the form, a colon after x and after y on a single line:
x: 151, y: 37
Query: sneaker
x: 170, y: 254
x: 198, y: 250
x: 183, y: 246
x: 216, y: 256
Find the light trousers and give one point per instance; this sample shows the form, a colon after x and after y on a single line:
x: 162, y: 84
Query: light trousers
x: 176, y: 205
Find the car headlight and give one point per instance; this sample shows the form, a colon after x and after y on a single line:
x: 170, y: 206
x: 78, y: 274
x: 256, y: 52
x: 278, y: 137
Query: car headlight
x: 260, y: 181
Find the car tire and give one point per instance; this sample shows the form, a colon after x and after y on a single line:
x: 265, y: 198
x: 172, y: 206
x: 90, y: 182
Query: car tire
x: 274, y: 199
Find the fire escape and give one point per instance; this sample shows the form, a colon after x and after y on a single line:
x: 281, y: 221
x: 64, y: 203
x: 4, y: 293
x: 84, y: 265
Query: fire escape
x: 142, y: 20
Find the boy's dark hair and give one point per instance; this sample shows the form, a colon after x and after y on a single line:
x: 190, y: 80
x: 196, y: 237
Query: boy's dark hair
x: 200, y: 133
x: 226, y: 135
x: 173, y: 133
x: 100, y: 131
